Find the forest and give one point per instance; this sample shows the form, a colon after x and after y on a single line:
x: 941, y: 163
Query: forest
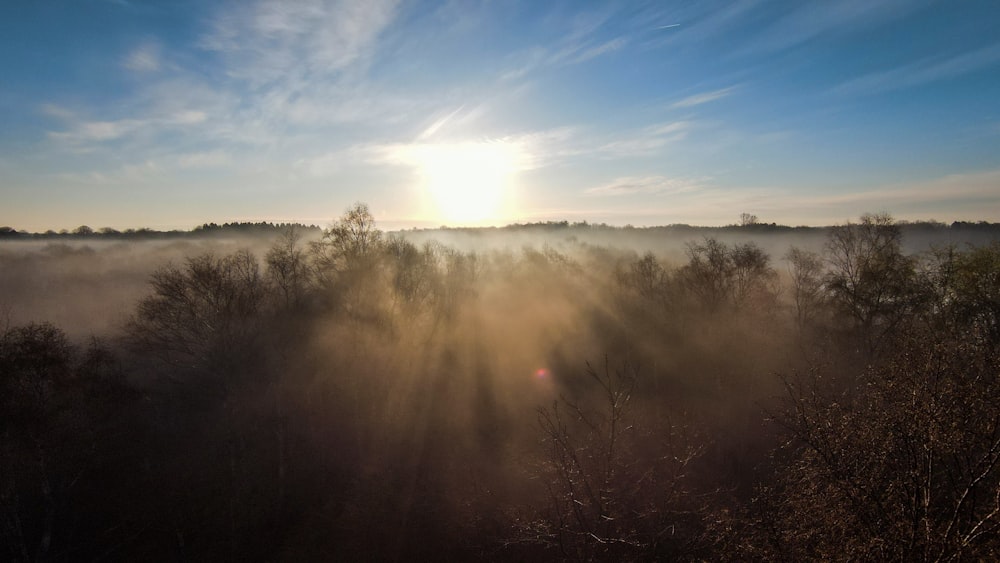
x: 539, y: 393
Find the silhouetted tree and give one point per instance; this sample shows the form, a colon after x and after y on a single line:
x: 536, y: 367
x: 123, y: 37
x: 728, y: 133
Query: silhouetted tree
x: 288, y: 268
x: 204, y: 317
x: 870, y: 280
x: 350, y: 243
x: 347, y: 261
x: 648, y: 277
x: 61, y: 431
x: 719, y: 275
x: 415, y: 275
x: 806, y: 269
x: 754, y: 281
x: 966, y: 288
x: 709, y: 272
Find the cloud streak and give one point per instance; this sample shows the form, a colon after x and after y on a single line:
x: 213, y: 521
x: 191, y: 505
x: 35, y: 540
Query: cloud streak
x: 631, y: 185
x: 145, y: 58
x: 577, y: 46
x: 810, y: 20
x: 922, y: 72
x: 273, y: 39
x: 703, y: 98
x: 103, y: 131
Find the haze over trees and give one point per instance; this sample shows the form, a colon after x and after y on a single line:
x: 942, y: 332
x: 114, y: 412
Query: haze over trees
x: 356, y: 395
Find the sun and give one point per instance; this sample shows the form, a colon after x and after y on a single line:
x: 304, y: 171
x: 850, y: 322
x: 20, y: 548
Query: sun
x: 468, y: 183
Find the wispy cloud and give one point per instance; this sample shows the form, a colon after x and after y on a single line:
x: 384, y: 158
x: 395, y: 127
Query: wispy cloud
x: 144, y: 58
x: 576, y: 52
x: 55, y: 110
x: 922, y: 72
x: 644, y: 142
x: 809, y: 20
x: 126, y: 174
x: 272, y: 39
x: 98, y: 130
x: 205, y: 159
x: 281, y: 74
x: 980, y: 187
x: 703, y: 98
x: 101, y: 131
x: 630, y: 185
x: 454, y: 123
x: 579, y: 44
x: 438, y: 124
x: 598, y: 50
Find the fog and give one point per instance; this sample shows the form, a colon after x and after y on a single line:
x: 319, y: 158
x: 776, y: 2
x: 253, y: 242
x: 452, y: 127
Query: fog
x: 537, y: 392
x: 89, y: 287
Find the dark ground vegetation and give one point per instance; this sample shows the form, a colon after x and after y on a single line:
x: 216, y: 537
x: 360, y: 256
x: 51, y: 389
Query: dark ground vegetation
x: 362, y: 396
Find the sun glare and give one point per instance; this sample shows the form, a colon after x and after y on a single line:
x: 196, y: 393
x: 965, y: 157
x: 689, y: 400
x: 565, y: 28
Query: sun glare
x: 468, y: 183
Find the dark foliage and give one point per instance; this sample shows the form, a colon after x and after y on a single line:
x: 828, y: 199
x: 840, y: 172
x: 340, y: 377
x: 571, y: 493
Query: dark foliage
x: 356, y: 396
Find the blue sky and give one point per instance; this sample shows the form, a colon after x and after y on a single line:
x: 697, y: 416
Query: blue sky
x: 171, y: 114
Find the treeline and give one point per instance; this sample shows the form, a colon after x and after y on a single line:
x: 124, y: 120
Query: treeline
x: 751, y: 226
x: 359, y: 397
x: 238, y: 228
x: 748, y: 226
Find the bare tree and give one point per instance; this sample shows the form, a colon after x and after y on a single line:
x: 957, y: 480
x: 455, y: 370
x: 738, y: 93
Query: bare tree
x: 806, y: 269
x: 288, y: 268
x: 648, y: 277
x: 719, y: 275
x: 350, y: 243
x: 870, y: 280
x: 709, y: 272
x: 907, y: 469
x: 965, y: 285
x: 348, y: 264
x: 204, y: 317
x: 616, y: 490
x: 754, y: 281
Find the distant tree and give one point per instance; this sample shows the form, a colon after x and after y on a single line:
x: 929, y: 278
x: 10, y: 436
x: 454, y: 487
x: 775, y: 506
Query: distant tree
x: 347, y: 263
x: 965, y: 285
x: 754, y: 281
x: 288, y: 268
x: 806, y: 269
x: 204, y: 317
x: 415, y: 275
x: 459, y: 273
x: 709, y: 272
x: 870, y: 280
x: 351, y: 242
x: 83, y: 230
x: 748, y: 220
x: 648, y: 276
x: 719, y: 275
